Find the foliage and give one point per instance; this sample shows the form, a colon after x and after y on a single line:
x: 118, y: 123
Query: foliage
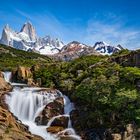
x: 11, y: 58
x: 107, y: 89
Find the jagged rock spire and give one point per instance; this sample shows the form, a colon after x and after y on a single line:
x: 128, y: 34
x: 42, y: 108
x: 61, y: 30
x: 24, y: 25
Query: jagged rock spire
x: 29, y: 30
x: 5, y: 38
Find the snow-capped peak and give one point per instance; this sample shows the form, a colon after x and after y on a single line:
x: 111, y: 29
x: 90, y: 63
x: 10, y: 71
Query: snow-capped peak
x: 104, y: 48
x: 29, y: 30
x: 27, y: 40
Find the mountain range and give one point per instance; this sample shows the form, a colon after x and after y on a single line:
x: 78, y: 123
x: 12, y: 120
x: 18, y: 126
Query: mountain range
x: 27, y: 39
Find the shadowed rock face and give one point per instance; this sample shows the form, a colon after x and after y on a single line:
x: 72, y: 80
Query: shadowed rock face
x: 132, y: 59
x: 61, y: 121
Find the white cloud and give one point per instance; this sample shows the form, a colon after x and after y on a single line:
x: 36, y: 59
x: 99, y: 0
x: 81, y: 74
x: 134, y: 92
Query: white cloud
x: 114, y: 34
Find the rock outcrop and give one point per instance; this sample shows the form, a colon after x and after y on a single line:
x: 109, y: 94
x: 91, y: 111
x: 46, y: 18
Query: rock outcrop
x: 51, y: 110
x: 29, y: 30
x: 61, y: 121
x: 10, y: 129
x: 22, y: 75
x: 4, y: 86
x: 54, y: 129
x: 131, y: 59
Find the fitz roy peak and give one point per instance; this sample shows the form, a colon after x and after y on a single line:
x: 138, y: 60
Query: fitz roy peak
x: 29, y: 30
x: 27, y: 40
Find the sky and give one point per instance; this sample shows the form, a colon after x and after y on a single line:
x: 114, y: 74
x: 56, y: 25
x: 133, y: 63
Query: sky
x: 86, y: 21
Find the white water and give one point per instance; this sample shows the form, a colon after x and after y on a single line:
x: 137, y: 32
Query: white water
x: 26, y: 104
x: 7, y: 76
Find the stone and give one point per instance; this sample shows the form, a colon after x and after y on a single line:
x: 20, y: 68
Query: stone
x: 54, y: 129
x: 21, y: 74
x: 51, y: 110
x: 11, y: 129
x: 4, y: 86
x: 61, y: 121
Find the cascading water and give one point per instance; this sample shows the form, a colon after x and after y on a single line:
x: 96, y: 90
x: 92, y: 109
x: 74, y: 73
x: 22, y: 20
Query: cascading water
x: 7, y: 76
x: 26, y: 103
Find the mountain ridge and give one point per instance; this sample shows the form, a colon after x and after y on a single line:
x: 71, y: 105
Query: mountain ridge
x: 27, y: 39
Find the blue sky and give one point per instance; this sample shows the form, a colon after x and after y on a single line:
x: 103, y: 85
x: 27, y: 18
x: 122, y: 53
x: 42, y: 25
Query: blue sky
x: 87, y: 21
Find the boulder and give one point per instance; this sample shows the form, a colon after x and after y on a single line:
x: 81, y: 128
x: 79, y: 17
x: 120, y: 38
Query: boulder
x: 21, y: 74
x: 54, y: 129
x: 66, y: 132
x: 61, y: 121
x: 51, y: 110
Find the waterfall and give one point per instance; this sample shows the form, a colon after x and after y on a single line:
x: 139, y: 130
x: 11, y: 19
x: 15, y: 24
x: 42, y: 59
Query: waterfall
x: 27, y: 102
x: 7, y: 76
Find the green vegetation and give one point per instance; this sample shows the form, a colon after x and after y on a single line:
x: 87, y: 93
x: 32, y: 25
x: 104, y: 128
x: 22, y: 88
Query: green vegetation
x: 106, y: 89
x: 11, y: 58
x: 107, y: 92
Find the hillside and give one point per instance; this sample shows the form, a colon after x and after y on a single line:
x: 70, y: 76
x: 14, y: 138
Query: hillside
x: 105, y: 92
x: 11, y: 58
x: 104, y: 89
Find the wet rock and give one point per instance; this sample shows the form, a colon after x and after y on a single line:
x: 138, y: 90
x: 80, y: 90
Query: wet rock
x: 51, y: 110
x: 61, y: 121
x: 66, y: 132
x: 54, y: 129
x: 4, y: 86
x: 10, y: 129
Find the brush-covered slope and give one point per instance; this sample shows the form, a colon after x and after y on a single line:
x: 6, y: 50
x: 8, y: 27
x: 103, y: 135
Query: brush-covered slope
x: 106, y: 92
x: 11, y: 58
